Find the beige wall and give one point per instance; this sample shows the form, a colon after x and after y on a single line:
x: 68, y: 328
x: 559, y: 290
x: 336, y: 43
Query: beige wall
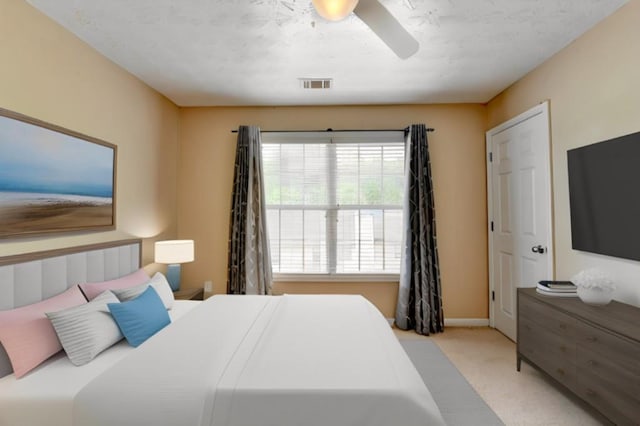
x: 458, y: 162
x: 48, y: 73
x: 594, y: 90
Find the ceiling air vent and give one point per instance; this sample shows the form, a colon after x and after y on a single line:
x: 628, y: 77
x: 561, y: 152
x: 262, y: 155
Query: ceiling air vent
x: 316, y: 83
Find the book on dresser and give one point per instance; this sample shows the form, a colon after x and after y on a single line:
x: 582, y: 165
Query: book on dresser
x: 557, y: 288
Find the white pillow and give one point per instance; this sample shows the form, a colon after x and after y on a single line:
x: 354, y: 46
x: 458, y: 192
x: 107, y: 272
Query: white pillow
x: 159, y: 284
x: 86, y: 330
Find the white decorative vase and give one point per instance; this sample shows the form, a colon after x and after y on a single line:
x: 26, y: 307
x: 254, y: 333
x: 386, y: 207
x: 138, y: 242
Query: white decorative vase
x: 595, y: 295
x: 594, y: 287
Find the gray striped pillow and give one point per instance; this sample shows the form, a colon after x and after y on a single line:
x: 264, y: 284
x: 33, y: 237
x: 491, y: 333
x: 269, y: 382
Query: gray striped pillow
x: 86, y: 330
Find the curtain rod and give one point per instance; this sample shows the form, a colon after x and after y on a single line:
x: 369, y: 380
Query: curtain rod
x: 429, y: 129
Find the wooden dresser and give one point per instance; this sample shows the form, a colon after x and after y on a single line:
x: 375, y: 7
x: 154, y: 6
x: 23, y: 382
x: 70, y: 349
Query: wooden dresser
x: 592, y: 350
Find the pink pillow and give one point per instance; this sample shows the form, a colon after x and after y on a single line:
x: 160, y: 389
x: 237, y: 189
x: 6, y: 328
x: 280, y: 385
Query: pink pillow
x: 27, y: 334
x: 92, y: 290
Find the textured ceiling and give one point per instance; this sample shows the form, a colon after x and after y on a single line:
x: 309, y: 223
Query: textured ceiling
x: 252, y: 52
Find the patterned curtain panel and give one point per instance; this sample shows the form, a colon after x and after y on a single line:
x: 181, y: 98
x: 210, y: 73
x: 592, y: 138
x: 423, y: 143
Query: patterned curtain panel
x: 420, y: 297
x: 249, y: 259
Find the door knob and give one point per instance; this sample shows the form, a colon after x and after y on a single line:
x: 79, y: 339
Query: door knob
x: 538, y: 249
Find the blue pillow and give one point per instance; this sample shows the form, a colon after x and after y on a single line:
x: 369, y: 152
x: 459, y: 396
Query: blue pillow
x: 140, y: 318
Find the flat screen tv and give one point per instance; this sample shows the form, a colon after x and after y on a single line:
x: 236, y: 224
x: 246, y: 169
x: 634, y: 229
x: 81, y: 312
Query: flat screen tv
x: 604, y: 196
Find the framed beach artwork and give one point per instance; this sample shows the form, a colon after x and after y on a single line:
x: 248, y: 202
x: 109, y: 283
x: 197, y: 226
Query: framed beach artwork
x: 53, y: 179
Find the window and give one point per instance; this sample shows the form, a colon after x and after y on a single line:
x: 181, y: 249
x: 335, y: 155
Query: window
x: 334, y: 201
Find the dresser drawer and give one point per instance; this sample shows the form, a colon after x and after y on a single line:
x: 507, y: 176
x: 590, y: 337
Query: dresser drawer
x: 594, y: 351
x: 614, y: 399
x: 609, y: 369
x: 546, y: 317
x: 607, y: 345
x: 551, y: 352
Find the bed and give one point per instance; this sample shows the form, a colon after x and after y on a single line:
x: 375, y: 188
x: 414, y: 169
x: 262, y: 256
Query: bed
x: 234, y: 360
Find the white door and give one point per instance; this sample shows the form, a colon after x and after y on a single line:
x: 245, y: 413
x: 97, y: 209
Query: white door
x: 519, y: 191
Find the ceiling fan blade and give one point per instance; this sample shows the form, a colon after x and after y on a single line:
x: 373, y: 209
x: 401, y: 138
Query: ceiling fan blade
x: 387, y: 27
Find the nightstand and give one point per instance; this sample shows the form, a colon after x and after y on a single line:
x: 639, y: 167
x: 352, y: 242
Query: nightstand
x: 189, y: 294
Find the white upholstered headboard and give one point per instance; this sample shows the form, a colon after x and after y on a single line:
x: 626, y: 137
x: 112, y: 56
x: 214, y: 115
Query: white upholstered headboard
x: 32, y: 277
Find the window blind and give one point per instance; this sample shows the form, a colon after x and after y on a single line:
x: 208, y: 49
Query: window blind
x: 334, y: 201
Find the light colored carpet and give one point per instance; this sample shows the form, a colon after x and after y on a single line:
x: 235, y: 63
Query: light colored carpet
x: 487, y: 360
x: 459, y: 404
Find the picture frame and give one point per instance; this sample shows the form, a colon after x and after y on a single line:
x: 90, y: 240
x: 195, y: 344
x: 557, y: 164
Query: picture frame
x: 53, y: 180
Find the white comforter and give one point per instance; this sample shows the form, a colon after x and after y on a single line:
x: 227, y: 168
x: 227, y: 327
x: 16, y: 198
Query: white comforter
x: 44, y: 397
x: 256, y: 360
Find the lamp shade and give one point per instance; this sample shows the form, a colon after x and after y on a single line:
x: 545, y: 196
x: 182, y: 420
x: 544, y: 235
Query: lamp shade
x: 174, y: 251
x: 334, y: 10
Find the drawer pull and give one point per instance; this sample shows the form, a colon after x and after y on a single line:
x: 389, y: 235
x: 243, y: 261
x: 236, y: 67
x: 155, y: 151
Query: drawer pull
x: 592, y: 339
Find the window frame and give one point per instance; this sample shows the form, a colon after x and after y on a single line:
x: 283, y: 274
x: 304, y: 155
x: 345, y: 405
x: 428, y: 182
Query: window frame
x: 335, y: 138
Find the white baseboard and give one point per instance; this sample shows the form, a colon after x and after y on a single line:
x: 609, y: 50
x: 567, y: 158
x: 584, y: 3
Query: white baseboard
x: 458, y: 322
x: 466, y: 322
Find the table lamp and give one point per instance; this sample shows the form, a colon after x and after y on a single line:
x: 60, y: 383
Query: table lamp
x: 173, y: 253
